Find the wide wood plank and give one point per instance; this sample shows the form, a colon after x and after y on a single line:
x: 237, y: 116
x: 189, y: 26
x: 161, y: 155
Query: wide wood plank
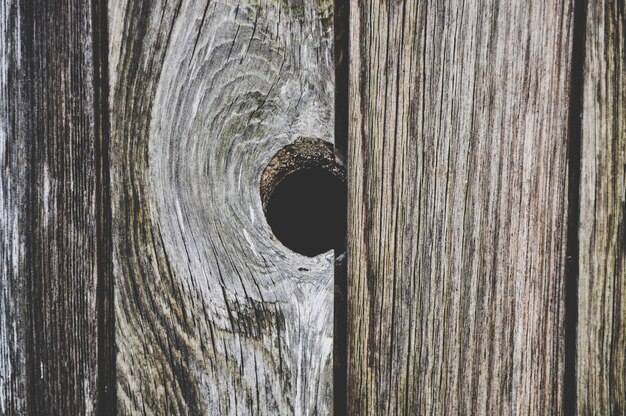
x: 601, y: 332
x: 213, y: 315
x: 54, y: 265
x: 458, y: 185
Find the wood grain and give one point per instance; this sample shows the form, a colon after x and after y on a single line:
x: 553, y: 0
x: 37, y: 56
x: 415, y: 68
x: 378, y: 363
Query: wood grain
x: 12, y: 199
x: 53, y: 257
x: 213, y: 315
x: 458, y: 170
x: 601, y: 333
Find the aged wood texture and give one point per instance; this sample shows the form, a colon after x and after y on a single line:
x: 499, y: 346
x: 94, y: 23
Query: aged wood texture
x: 458, y: 206
x: 213, y: 315
x: 601, y: 333
x: 53, y: 260
x: 12, y: 199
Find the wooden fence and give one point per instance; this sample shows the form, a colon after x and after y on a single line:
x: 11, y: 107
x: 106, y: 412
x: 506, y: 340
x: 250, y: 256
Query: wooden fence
x: 484, y: 150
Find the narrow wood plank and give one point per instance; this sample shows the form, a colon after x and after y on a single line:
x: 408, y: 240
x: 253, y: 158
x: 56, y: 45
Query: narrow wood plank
x: 50, y: 208
x: 213, y: 315
x: 458, y: 206
x: 601, y: 333
x: 12, y: 346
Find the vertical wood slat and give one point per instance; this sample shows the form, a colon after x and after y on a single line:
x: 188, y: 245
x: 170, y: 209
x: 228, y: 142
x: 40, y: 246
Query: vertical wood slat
x: 601, y: 332
x: 213, y: 315
x: 458, y: 170
x: 52, y: 201
x: 12, y: 199
x: 12, y: 351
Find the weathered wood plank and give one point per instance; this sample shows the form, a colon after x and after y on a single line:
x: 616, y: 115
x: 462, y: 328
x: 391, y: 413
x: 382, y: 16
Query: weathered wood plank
x: 213, y: 315
x: 458, y: 206
x: 51, y: 205
x: 12, y: 152
x: 601, y: 333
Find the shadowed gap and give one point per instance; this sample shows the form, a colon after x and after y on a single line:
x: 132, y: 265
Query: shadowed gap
x: 106, y: 383
x: 574, y: 169
x: 342, y: 126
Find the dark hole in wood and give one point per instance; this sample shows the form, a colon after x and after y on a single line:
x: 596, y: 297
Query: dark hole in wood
x: 306, y: 212
x: 303, y: 191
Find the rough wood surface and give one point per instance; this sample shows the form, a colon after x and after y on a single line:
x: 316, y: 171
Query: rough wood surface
x: 601, y: 333
x: 213, y: 315
x: 12, y: 346
x: 51, y: 262
x: 458, y: 206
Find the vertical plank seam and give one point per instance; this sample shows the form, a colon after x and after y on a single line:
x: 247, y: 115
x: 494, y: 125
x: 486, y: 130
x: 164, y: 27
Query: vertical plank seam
x: 105, y: 382
x: 340, y: 334
x: 573, y: 216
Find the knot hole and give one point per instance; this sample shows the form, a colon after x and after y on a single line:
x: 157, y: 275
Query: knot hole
x: 303, y: 191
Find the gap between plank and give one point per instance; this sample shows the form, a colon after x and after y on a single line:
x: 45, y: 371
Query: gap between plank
x: 340, y: 333
x: 574, y: 169
x: 106, y: 395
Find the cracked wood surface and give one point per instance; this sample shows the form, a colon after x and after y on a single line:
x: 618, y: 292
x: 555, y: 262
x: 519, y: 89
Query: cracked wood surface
x: 457, y: 178
x: 458, y: 184
x: 54, y: 342
x: 213, y: 315
x: 601, y: 343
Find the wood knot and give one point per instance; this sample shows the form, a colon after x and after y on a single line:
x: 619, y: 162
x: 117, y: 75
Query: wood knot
x: 303, y: 192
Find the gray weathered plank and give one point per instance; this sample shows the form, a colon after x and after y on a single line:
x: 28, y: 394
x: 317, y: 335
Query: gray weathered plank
x: 601, y: 332
x: 458, y: 206
x: 213, y: 315
x: 12, y: 351
x: 53, y: 260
